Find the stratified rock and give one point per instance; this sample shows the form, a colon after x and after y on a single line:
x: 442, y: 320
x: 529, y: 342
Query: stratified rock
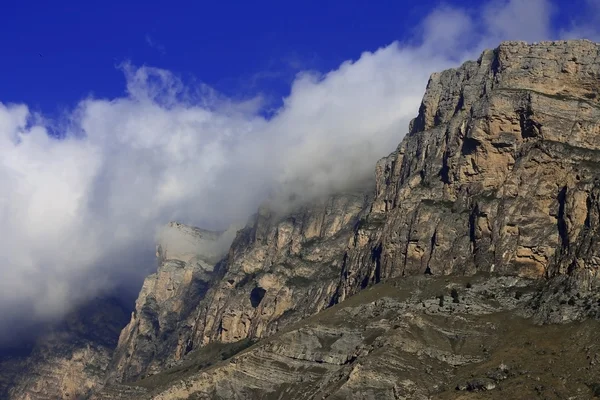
x: 383, y: 343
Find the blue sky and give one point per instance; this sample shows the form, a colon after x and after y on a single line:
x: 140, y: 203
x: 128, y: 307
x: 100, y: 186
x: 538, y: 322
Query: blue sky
x: 136, y: 115
x: 238, y: 47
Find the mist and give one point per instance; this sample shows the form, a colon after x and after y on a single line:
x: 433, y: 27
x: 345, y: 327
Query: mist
x: 83, y: 199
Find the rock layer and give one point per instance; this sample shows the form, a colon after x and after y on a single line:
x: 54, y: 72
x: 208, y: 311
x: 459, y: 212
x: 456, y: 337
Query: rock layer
x: 396, y: 340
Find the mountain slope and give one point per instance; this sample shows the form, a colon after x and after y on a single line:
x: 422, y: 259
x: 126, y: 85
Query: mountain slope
x: 396, y: 340
x: 278, y: 269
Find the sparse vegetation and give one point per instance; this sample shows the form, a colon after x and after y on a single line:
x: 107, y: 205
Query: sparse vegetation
x: 299, y: 281
x: 229, y: 352
x: 527, y: 346
x: 199, y: 360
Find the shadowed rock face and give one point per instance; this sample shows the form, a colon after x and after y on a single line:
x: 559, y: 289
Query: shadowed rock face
x: 68, y: 360
x: 498, y: 174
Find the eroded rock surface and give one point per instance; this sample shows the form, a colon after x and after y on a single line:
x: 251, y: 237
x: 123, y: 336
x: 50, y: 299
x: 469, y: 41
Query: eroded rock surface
x: 278, y: 269
x: 188, y: 263
x: 498, y: 170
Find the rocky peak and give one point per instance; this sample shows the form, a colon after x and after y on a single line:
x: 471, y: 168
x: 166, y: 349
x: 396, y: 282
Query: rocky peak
x: 188, y: 259
x: 553, y: 68
x: 501, y: 150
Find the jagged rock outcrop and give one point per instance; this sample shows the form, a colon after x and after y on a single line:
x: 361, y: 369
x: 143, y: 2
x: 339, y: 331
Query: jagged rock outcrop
x: 277, y: 269
x: 276, y: 266
x: 188, y: 262
x: 69, y: 359
x: 498, y: 174
x: 497, y: 179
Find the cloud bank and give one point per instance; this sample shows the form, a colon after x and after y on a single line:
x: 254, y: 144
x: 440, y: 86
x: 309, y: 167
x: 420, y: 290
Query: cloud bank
x: 79, y: 213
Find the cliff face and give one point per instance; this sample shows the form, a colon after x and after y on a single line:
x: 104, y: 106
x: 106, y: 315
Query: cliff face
x: 498, y: 174
x: 497, y: 171
x: 188, y: 262
x: 278, y: 269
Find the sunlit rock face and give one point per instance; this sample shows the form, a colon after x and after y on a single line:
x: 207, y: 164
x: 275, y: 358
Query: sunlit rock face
x: 278, y: 268
x: 498, y: 167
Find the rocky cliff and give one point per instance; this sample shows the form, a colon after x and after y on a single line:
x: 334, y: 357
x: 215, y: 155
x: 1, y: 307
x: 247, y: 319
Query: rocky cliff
x: 483, y: 221
x: 188, y: 264
x: 497, y: 174
x: 279, y: 269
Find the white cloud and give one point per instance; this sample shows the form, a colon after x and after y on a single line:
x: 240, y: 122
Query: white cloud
x: 79, y: 214
x: 528, y: 20
x: 155, y: 45
x: 448, y: 31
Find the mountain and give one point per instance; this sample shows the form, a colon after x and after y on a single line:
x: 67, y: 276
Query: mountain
x: 470, y: 265
x: 68, y: 359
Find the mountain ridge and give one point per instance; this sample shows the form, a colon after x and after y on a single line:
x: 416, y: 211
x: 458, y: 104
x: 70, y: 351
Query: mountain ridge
x: 497, y: 177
